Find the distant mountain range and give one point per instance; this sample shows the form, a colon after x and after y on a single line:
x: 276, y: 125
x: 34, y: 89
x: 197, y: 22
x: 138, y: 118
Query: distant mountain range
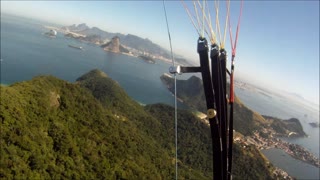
x: 128, y: 40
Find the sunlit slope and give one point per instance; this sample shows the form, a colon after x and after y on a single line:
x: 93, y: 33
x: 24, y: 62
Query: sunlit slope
x: 114, y: 98
x: 191, y: 92
x: 52, y: 128
x: 92, y: 129
x: 246, y: 121
x: 194, y: 145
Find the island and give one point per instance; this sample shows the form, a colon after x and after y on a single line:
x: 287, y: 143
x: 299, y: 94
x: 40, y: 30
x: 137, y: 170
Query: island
x: 115, y: 46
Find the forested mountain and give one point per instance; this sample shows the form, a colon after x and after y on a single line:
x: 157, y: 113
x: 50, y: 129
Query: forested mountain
x: 246, y: 121
x: 92, y: 129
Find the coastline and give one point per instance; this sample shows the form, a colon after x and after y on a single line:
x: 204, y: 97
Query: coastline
x: 169, y: 61
x: 295, y: 168
x: 129, y: 55
x: 267, y: 138
x: 296, y: 151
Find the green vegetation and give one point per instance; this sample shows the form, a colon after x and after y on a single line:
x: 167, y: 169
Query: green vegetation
x: 92, y: 129
x: 194, y: 139
x: 249, y: 163
x: 50, y: 128
x: 191, y: 92
x: 195, y: 150
x: 288, y: 128
x: 246, y: 121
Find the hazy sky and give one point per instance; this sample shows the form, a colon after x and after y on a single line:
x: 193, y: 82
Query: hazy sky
x: 278, y: 42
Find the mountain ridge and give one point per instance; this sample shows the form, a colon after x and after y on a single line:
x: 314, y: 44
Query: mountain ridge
x: 129, y: 40
x: 93, y: 129
x: 246, y: 121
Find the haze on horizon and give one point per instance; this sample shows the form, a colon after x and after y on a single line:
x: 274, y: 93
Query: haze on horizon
x: 280, y: 53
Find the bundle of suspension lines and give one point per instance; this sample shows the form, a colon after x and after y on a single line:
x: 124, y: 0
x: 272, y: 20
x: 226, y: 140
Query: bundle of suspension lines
x: 214, y: 80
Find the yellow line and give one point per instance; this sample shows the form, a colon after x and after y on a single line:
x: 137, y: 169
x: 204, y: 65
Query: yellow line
x: 188, y: 12
x: 197, y: 14
x: 217, y: 19
x: 226, y: 25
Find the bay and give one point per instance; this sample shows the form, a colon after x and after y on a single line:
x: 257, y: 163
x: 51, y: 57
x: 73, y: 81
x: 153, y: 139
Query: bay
x: 26, y: 52
x: 294, y: 167
x: 285, y: 108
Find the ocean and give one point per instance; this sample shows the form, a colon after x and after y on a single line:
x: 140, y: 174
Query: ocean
x: 271, y: 104
x: 294, y: 167
x: 26, y: 52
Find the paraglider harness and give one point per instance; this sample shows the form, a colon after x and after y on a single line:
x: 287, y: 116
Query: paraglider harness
x: 215, y: 104
x: 215, y: 90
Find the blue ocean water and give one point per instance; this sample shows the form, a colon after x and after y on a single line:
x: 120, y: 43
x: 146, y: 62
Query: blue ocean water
x: 284, y: 108
x: 296, y: 168
x: 26, y: 52
x: 281, y: 107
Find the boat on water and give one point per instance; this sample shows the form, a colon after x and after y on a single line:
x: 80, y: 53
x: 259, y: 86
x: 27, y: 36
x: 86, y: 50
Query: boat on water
x: 76, y: 47
x: 52, y: 33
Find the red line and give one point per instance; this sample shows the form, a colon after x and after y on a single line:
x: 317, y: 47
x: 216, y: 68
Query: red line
x: 234, y: 46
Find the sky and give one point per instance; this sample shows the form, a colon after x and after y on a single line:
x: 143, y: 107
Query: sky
x: 278, y: 43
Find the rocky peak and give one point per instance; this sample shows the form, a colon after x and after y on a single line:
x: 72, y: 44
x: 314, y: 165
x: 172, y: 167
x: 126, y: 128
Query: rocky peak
x: 113, y: 45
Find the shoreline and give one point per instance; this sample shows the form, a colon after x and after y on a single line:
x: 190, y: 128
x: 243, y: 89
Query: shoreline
x: 286, y: 146
x: 296, y: 151
x: 303, y: 154
x: 267, y: 138
x: 169, y: 61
